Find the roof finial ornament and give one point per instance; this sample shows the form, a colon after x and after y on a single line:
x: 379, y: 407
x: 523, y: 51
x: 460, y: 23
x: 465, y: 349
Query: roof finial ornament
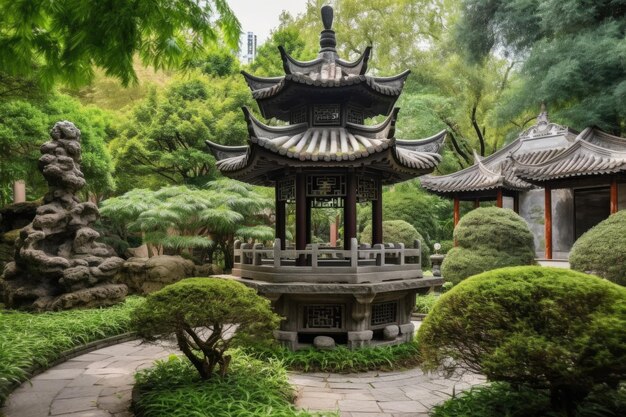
x: 542, y: 119
x: 327, y: 37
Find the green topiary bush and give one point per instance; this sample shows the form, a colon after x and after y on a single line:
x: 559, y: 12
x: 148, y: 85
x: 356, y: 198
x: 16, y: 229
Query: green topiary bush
x: 488, y: 238
x: 399, y: 231
x: 602, y: 250
x: 545, y: 328
x: 206, y: 315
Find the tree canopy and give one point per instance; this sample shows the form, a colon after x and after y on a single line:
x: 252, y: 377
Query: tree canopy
x: 52, y: 41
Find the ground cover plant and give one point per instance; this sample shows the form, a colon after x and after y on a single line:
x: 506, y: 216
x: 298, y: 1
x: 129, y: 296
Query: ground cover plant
x: 602, y: 249
x: 29, y: 339
x: 544, y: 328
x: 253, y: 388
x: 341, y: 359
x: 488, y: 238
x: 207, y: 316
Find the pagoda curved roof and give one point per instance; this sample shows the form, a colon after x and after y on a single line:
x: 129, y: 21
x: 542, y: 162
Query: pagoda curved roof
x: 541, y: 142
x: 271, y: 150
x: 594, y: 152
x: 277, y: 96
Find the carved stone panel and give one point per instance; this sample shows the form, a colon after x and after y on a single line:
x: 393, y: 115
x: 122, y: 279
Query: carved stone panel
x: 323, y: 316
x: 384, y: 313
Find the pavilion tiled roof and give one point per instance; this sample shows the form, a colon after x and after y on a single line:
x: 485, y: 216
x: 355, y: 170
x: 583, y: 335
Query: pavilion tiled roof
x: 328, y: 146
x: 594, y: 152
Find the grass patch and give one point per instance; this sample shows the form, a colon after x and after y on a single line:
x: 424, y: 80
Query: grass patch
x: 342, y: 359
x: 252, y: 388
x: 500, y: 399
x: 28, y: 339
x: 425, y: 303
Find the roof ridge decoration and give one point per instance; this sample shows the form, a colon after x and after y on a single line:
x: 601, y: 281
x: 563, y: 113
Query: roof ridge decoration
x: 543, y: 127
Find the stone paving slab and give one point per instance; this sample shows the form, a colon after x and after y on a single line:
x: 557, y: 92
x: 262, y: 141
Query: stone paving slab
x: 99, y: 384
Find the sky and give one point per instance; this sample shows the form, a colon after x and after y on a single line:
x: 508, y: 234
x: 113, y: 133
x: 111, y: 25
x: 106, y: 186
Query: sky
x: 261, y: 16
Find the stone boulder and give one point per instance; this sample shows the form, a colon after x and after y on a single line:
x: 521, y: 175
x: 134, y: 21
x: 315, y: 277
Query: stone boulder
x: 58, y: 263
x: 146, y: 275
x: 324, y: 342
x: 391, y: 332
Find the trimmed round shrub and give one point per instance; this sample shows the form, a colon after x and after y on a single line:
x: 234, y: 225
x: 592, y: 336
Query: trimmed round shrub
x: 206, y: 315
x: 602, y: 249
x: 399, y: 231
x: 546, y: 328
x: 488, y: 238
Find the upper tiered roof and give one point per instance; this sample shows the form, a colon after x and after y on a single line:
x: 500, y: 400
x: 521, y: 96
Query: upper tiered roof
x: 341, y: 82
x: 326, y: 101
x: 544, y: 152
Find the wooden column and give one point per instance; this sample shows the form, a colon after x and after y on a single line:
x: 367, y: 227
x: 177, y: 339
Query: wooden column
x: 614, y: 196
x: 333, y: 232
x: 548, y: 221
x: 301, y: 212
x: 476, y: 203
x: 377, y: 215
x: 281, y: 222
x: 516, y: 202
x: 309, y: 228
x: 349, y: 211
x: 19, y: 191
x: 499, y: 198
x: 457, y: 211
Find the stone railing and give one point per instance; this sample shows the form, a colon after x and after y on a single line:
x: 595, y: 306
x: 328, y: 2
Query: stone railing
x: 316, y: 263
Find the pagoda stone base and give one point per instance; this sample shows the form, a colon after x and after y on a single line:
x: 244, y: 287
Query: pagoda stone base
x: 353, y: 315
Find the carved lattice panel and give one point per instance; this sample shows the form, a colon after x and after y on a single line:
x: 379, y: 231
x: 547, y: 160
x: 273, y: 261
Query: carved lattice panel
x: 366, y: 190
x: 325, y: 186
x: 323, y: 316
x: 318, y: 202
x: 354, y: 116
x: 298, y: 115
x: 286, y: 189
x: 327, y: 115
x: 384, y: 313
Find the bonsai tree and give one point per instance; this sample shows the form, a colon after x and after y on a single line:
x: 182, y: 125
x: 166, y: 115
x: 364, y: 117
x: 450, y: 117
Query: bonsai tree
x: 602, y: 249
x: 399, y: 231
x: 488, y: 238
x: 206, y: 315
x: 544, y: 328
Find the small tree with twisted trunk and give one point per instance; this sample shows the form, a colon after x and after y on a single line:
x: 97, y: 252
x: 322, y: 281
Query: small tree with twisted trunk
x: 207, y: 316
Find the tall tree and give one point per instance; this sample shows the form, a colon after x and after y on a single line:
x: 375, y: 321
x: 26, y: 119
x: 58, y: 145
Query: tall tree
x: 64, y: 40
x: 573, y: 52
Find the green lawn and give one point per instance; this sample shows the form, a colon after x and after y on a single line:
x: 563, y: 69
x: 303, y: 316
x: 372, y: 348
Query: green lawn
x: 28, y: 339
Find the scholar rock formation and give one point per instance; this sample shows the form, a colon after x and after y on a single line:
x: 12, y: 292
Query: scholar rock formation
x: 58, y: 263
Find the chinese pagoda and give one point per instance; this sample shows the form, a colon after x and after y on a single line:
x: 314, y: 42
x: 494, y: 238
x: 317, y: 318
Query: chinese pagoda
x: 358, y: 294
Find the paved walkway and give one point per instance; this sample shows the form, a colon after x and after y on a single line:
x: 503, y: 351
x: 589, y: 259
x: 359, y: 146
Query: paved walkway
x: 99, y: 384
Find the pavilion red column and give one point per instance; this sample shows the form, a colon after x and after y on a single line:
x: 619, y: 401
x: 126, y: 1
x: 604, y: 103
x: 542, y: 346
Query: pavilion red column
x: 301, y: 212
x: 476, y: 203
x: 457, y: 214
x: 349, y: 211
x: 614, y: 199
x: 516, y: 203
x: 377, y: 215
x: 499, y: 198
x: 333, y: 232
x: 548, y: 221
x: 281, y: 215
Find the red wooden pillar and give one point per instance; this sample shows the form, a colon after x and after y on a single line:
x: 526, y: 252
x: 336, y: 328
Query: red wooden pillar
x: 281, y: 215
x: 499, y: 198
x: 349, y: 211
x: 457, y: 210
x: 476, y: 203
x: 333, y: 232
x: 548, y: 221
x: 614, y: 196
x: 516, y: 203
x: 377, y: 215
x: 301, y: 212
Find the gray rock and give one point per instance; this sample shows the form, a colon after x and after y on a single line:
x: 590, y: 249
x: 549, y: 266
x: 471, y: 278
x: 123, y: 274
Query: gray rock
x: 391, y: 332
x: 324, y: 342
x: 57, y: 263
x: 146, y: 275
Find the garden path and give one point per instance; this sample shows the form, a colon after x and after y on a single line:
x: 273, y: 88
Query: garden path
x: 99, y: 384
